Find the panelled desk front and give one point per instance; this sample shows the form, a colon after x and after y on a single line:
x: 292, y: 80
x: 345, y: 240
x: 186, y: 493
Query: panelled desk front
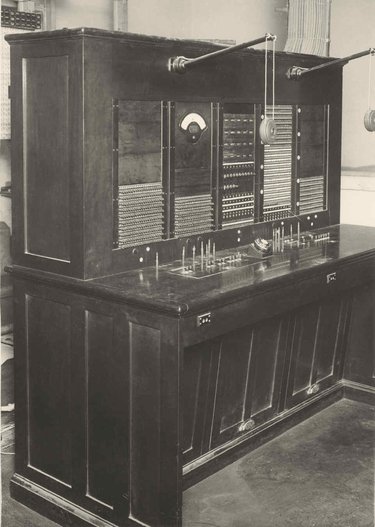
x: 133, y: 386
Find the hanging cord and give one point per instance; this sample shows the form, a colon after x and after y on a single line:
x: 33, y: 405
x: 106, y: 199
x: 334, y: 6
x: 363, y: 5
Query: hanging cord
x: 265, y: 75
x: 268, y: 128
x: 273, y: 38
x: 273, y: 75
x: 369, y: 81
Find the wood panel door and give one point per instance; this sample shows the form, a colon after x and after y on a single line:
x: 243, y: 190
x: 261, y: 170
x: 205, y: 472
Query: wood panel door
x: 360, y: 352
x: 200, y: 365
x: 315, y: 344
x: 72, y: 385
x: 232, y: 385
x: 248, y: 380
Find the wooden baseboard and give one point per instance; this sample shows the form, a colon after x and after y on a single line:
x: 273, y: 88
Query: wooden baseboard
x: 358, y: 392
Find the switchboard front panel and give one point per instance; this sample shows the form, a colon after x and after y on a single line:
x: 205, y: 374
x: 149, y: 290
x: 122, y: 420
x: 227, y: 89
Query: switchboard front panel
x: 191, y: 150
x: 313, y: 122
x: 137, y: 168
x: 238, y: 166
x: 278, y: 166
x: 185, y: 168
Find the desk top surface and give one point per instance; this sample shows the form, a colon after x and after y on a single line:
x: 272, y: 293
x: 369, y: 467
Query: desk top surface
x: 241, y: 273
x: 236, y: 274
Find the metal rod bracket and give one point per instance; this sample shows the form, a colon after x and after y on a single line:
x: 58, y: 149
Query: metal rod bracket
x: 180, y: 64
x: 296, y: 72
x: 177, y: 64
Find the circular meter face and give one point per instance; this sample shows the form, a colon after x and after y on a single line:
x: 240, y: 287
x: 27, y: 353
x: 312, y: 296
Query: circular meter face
x: 193, y: 128
x: 193, y: 125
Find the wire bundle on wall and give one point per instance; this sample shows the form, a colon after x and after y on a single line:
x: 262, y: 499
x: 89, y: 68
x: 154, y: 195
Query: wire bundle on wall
x: 309, y: 27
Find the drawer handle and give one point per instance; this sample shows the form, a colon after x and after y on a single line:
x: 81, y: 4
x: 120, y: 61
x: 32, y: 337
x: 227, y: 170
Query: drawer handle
x: 246, y: 425
x: 313, y: 389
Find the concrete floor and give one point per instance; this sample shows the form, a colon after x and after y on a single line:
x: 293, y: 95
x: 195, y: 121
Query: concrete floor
x: 318, y: 474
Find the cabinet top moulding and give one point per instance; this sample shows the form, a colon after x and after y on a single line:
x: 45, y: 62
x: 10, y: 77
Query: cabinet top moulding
x: 81, y: 32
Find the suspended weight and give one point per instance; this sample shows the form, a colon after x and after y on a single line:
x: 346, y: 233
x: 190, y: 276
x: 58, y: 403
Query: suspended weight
x: 369, y: 120
x: 268, y: 131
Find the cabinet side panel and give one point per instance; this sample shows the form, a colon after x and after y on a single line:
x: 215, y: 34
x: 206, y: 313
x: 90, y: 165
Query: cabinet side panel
x: 48, y: 387
x: 46, y: 160
x: 144, y: 422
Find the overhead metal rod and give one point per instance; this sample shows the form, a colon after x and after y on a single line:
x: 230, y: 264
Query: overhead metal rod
x: 296, y: 72
x: 181, y: 64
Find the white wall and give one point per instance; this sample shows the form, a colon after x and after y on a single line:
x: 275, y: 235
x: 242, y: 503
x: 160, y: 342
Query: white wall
x: 88, y: 13
x: 238, y: 20
x: 353, y: 30
x: 166, y: 18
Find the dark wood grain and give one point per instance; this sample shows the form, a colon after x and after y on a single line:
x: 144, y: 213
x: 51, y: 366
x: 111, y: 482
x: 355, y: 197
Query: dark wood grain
x: 139, y: 139
x: 230, y: 385
x: 100, y: 419
x: 144, y: 422
x: 49, y: 395
x: 267, y: 363
x: 196, y: 397
x: 316, y: 348
x: 329, y: 344
x: 46, y: 174
x: 360, y: 352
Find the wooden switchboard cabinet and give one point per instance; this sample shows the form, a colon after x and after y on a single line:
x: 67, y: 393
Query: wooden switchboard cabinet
x: 155, y: 340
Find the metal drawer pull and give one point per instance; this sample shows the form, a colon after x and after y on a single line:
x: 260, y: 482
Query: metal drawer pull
x: 246, y: 425
x: 313, y: 389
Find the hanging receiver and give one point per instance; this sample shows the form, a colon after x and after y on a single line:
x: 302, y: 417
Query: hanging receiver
x: 369, y: 118
x: 182, y: 64
x: 268, y: 128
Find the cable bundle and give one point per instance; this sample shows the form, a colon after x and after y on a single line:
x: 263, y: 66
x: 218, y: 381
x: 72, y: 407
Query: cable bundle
x: 309, y: 27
